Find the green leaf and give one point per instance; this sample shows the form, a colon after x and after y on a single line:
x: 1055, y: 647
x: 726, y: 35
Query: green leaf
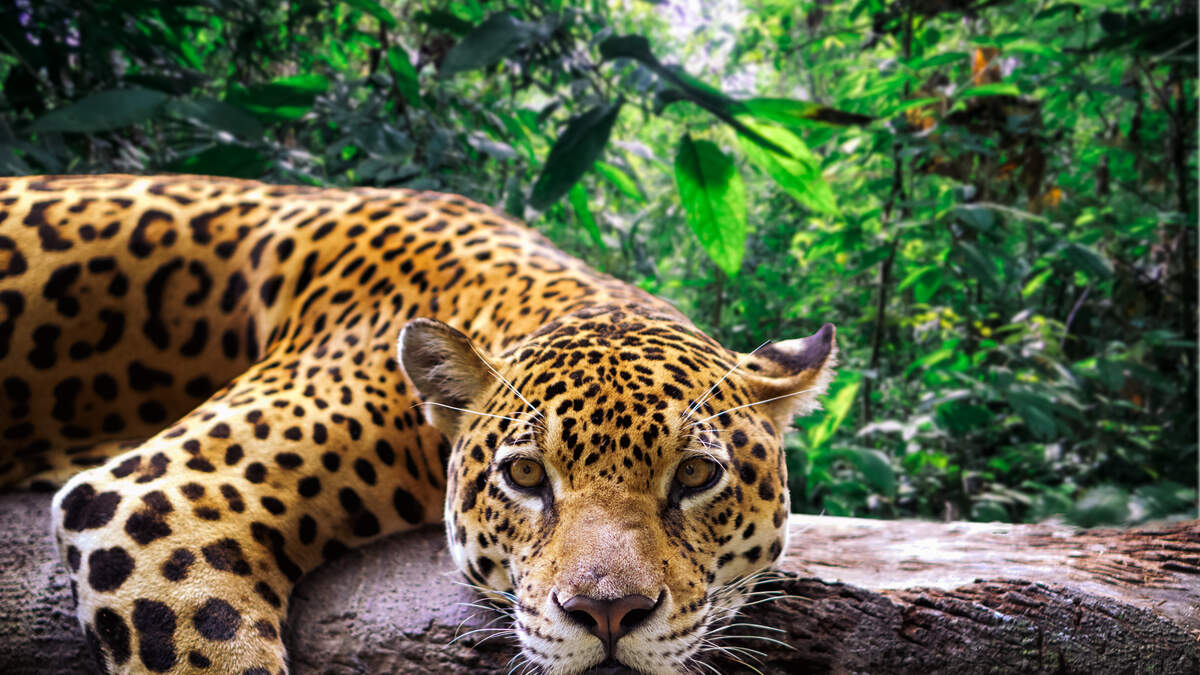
x: 925, y: 282
x: 993, y: 89
x: 1086, y: 259
x: 836, y: 409
x: 406, y: 76
x: 105, y: 111
x: 575, y: 151
x: 620, y: 180
x: 798, y: 172
x: 938, y: 60
x: 988, y: 511
x: 1036, y: 282
x: 287, y: 98
x: 961, y: 417
x: 494, y: 39
x: 578, y: 197
x: 1035, y: 412
x: 875, y: 467
x: 977, y: 265
x: 714, y: 200
x: 789, y: 112
x: 374, y: 9
x: 1103, y: 505
x: 216, y: 115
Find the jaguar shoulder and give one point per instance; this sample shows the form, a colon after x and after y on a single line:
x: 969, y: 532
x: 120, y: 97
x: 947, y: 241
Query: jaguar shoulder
x: 226, y: 377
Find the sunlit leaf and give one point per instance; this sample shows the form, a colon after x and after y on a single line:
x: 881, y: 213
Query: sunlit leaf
x: 714, y: 200
x: 105, y: 111
x: 578, y: 198
x: 992, y: 89
x: 575, y: 151
x: 620, y: 180
x: 798, y: 172
x: 836, y: 409
x: 925, y: 282
x: 1036, y: 282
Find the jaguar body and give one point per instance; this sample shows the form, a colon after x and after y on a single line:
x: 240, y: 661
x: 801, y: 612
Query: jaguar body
x: 230, y: 382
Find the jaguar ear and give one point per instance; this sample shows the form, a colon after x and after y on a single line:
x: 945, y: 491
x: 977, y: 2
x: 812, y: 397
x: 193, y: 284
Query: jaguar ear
x: 446, y: 368
x: 793, y: 373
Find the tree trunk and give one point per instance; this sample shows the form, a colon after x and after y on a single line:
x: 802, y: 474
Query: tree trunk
x: 861, y: 596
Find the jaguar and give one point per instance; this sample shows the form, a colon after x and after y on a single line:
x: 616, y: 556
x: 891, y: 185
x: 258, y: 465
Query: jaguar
x: 228, y: 383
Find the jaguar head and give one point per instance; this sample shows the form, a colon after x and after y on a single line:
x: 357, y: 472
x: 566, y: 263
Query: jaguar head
x: 617, y: 476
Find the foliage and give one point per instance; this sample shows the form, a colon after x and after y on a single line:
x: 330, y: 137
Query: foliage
x: 995, y: 202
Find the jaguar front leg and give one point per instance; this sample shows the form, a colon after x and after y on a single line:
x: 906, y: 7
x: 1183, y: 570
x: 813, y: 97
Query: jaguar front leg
x: 184, y: 550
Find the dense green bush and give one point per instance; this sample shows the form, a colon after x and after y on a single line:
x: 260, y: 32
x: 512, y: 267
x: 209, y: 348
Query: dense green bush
x: 995, y: 202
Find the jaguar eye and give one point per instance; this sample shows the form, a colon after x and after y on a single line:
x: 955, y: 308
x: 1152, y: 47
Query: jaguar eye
x: 696, y: 472
x: 525, y: 473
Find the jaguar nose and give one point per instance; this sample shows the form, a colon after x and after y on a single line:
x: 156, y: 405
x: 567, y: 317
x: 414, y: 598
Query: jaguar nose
x: 609, y: 620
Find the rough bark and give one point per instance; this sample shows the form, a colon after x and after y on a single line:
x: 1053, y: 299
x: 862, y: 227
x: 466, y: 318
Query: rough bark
x: 861, y: 597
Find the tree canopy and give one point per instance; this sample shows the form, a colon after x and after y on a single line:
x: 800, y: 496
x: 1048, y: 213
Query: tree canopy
x: 994, y: 201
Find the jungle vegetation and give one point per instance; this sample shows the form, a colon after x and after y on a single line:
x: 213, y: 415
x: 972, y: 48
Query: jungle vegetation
x: 994, y: 200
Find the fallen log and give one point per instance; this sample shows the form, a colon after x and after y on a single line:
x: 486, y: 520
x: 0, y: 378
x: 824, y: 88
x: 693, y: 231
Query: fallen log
x: 857, y: 596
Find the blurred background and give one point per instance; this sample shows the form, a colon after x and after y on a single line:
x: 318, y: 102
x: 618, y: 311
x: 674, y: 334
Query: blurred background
x: 994, y: 201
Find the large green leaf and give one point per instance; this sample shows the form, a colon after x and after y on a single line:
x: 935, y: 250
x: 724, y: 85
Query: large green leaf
x: 798, y: 172
x: 714, y: 199
x: 579, y: 146
x: 105, y: 111
x: 494, y: 39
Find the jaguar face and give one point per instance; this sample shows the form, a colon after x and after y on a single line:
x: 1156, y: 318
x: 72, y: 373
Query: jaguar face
x: 616, y: 477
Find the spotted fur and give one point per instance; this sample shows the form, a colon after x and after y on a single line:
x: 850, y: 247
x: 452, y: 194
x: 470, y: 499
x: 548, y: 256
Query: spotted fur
x: 208, y: 368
